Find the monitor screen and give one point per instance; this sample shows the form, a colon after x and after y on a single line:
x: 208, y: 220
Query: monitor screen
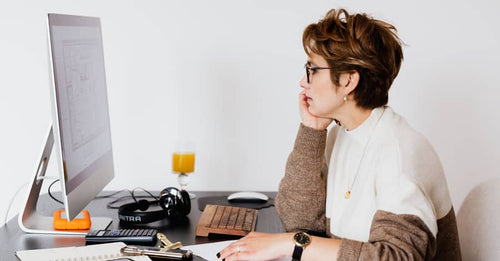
x: 81, y: 127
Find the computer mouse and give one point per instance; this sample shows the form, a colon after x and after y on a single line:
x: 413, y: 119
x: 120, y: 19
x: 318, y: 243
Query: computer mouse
x: 248, y: 196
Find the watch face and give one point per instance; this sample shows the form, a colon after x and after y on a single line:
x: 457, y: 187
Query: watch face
x: 302, y: 238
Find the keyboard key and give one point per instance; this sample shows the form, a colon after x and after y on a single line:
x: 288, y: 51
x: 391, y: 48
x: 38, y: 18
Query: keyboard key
x: 240, y: 220
x: 225, y: 217
x: 217, y: 216
x: 232, y: 218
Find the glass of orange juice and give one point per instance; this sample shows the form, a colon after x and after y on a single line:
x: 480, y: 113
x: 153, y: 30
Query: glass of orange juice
x: 183, y: 164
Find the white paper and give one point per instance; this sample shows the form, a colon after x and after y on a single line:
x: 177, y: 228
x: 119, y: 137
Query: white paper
x: 210, y: 250
x: 93, y: 252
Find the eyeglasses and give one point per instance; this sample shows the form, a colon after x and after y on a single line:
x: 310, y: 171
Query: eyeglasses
x: 313, y: 68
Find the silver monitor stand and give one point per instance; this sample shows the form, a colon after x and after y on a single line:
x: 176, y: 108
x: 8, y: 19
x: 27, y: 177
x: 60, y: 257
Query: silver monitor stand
x: 30, y: 221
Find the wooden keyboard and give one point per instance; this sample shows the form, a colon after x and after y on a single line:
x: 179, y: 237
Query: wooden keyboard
x: 226, y: 220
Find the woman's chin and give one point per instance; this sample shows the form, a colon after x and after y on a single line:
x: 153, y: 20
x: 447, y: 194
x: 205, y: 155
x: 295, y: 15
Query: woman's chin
x: 315, y: 113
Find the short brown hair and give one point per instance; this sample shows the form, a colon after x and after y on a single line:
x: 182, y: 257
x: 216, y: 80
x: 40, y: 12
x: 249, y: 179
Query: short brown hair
x: 358, y: 43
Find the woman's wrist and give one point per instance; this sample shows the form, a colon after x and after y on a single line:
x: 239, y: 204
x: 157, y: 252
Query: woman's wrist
x: 286, y: 244
x: 317, y: 124
x: 311, y: 125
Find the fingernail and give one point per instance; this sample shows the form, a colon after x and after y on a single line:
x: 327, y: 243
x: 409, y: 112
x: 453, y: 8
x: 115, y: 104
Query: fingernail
x: 218, y: 255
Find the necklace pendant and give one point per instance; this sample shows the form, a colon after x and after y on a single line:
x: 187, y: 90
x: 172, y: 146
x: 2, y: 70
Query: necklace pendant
x: 347, y: 195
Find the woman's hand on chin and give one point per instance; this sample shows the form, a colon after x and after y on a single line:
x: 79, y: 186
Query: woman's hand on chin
x: 309, y: 119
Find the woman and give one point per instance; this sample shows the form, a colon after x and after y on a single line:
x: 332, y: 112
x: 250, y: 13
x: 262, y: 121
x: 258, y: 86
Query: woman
x: 373, y: 185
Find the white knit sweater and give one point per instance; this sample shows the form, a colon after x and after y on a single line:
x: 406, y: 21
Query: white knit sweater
x: 399, y: 173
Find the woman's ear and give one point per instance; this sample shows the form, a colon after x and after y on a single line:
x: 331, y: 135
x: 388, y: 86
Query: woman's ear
x: 349, y: 81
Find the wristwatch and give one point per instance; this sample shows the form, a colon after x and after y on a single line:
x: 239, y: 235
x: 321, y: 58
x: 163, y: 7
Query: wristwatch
x: 301, y: 240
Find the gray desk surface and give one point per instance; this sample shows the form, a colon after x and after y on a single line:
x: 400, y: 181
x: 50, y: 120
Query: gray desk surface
x: 13, y: 239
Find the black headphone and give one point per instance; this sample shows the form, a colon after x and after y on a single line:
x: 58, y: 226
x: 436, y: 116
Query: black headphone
x: 174, y: 203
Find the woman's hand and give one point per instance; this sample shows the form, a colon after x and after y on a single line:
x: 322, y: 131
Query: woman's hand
x: 308, y: 119
x: 259, y: 246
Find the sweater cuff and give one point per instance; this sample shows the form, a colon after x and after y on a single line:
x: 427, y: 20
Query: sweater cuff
x: 310, y: 141
x: 349, y: 250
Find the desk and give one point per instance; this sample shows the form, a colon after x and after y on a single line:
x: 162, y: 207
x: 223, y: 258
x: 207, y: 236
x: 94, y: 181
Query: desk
x: 13, y: 239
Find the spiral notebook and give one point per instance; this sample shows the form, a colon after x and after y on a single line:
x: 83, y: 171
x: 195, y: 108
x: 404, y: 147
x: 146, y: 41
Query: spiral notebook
x: 101, y: 252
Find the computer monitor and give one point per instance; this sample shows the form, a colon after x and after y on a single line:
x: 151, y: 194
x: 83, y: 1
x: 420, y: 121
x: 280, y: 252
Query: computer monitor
x: 80, y: 131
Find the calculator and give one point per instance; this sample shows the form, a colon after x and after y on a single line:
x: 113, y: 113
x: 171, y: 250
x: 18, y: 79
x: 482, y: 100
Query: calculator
x: 146, y: 237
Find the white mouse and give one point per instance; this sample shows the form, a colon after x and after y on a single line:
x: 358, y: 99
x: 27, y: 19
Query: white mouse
x: 248, y: 196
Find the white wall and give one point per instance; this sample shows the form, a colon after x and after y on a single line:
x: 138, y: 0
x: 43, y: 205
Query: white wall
x: 225, y: 74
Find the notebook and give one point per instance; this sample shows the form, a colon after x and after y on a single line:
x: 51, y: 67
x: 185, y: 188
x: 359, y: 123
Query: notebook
x: 101, y: 252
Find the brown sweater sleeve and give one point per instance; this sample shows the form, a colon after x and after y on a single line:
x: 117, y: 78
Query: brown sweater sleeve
x: 300, y: 202
x: 392, y: 237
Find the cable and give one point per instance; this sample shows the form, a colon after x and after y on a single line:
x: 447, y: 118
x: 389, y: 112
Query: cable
x: 112, y: 194
x: 112, y: 203
x: 132, y: 195
x: 98, y: 197
x: 109, y: 205
x: 267, y: 206
x: 50, y: 193
x: 12, y: 201
x: 150, y: 194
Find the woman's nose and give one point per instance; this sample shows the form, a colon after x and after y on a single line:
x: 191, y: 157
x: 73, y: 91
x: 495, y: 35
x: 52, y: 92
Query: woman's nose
x: 303, y: 82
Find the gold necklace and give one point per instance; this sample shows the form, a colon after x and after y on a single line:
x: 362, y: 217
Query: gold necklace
x: 347, y: 194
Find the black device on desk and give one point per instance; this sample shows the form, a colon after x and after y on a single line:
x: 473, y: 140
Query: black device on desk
x: 128, y: 236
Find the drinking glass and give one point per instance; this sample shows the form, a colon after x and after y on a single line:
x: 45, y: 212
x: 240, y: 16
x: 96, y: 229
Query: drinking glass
x: 183, y: 164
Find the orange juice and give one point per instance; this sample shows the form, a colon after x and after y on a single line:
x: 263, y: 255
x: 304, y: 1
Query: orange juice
x: 183, y: 162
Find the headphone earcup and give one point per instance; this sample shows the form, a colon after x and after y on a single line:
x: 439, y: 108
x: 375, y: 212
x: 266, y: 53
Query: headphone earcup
x: 175, y: 202
x: 186, y: 203
x: 167, y: 200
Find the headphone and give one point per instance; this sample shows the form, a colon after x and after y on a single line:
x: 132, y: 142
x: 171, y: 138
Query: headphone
x: 174, y: 203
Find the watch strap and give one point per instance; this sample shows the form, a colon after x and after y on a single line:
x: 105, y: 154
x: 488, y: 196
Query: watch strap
x: 297, y: 253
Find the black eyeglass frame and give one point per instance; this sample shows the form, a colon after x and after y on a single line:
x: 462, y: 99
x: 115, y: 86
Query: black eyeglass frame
x: 312, y: 68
